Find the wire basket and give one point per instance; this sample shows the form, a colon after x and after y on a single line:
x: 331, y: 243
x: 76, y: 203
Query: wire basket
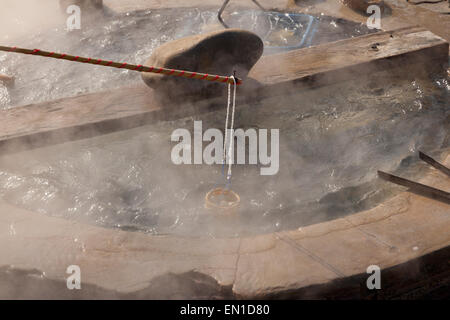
x: 222, y: 201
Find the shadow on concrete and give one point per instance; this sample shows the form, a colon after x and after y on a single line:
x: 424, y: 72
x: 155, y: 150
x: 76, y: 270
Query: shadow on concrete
x: 16, y: 284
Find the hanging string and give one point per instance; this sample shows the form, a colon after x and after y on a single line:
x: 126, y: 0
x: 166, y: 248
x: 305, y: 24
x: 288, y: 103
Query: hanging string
x: 231, y: 102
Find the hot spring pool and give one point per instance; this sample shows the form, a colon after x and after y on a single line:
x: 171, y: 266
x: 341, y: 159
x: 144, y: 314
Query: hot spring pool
x: 332, y: 142
x: 332, y: 139
x: 132, y: 37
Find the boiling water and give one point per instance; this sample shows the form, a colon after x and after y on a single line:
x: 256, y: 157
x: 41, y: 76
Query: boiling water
x: 332, y: 142
x: 132, y: 37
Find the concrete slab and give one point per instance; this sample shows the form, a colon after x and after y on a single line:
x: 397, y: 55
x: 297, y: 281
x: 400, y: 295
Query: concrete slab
x: 280, y: 267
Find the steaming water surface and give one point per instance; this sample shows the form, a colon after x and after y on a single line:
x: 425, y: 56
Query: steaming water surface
x: 332, y: 141
x: 131, y: 38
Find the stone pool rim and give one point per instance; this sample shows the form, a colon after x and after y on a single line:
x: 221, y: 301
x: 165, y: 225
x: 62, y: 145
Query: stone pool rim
x: 404, y: 228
